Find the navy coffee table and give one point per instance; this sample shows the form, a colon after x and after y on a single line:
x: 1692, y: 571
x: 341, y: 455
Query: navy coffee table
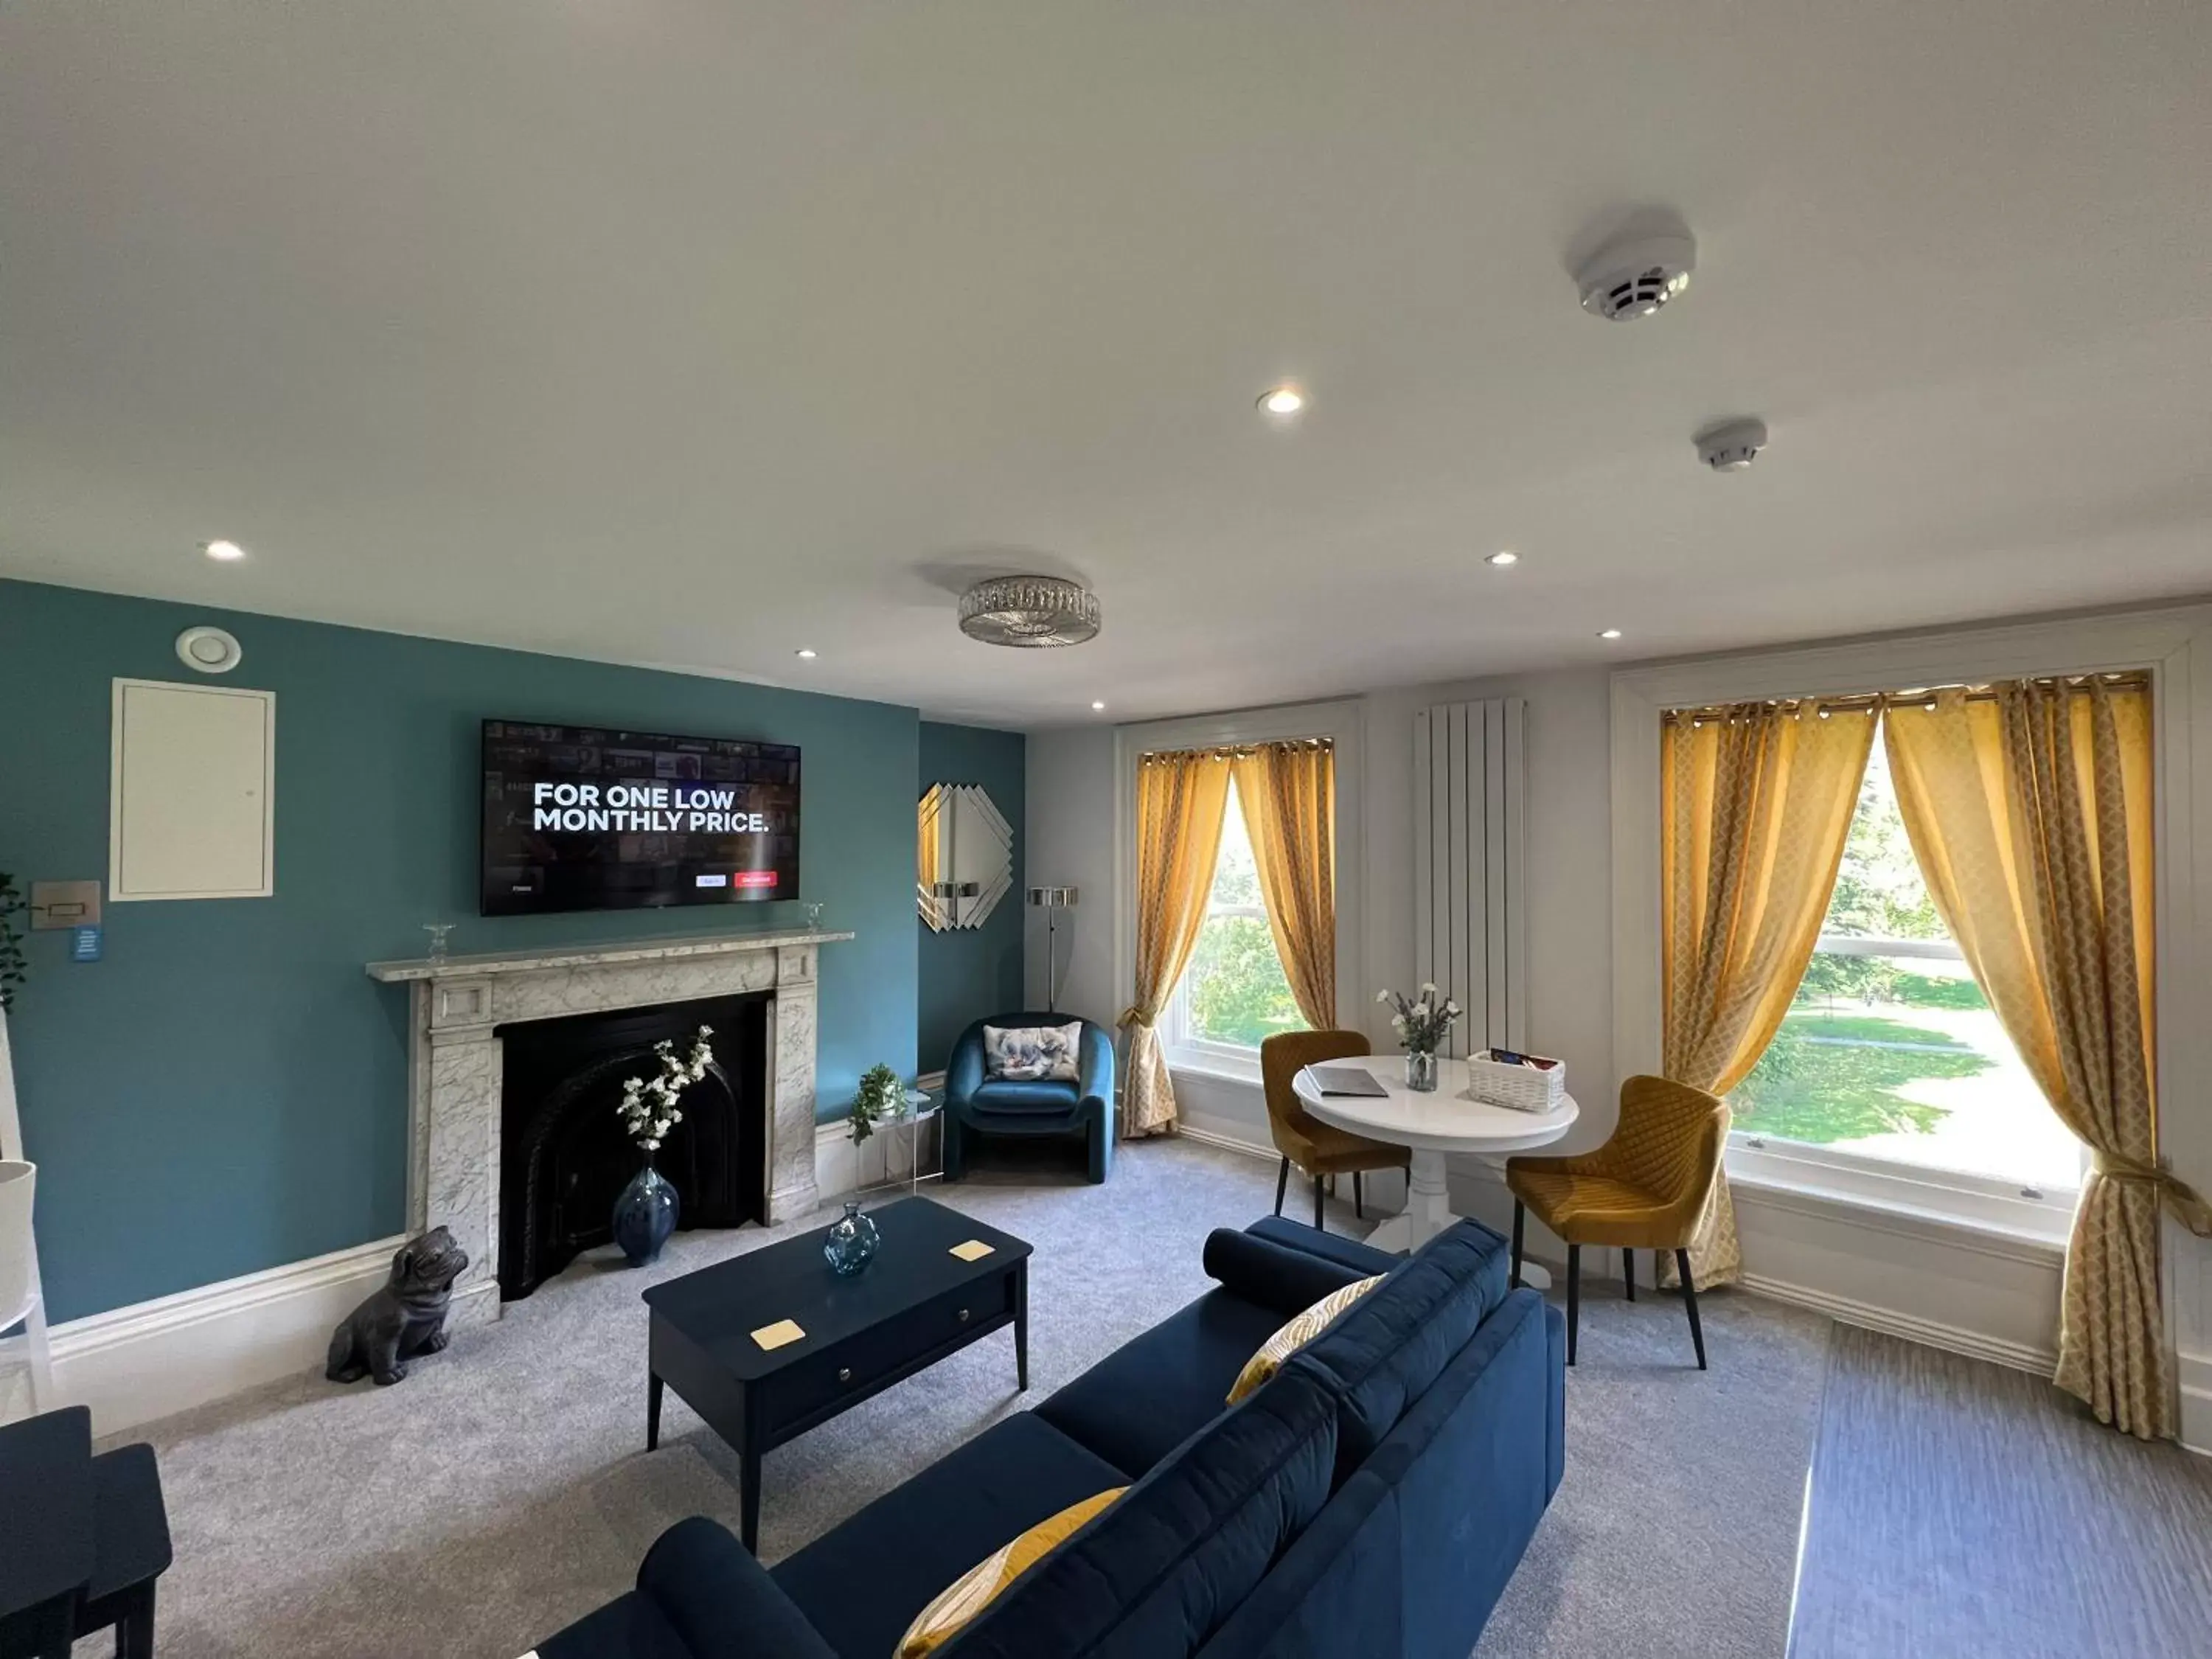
x: 915, y: 1304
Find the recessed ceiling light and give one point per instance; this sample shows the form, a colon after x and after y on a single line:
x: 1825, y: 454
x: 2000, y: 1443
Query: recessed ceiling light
x: 1609, y: 633
x: 223, y: 552
x: 1282, y: 401
x: 1097, y: 707
x: 806, y: 652
x: 1501, y: 559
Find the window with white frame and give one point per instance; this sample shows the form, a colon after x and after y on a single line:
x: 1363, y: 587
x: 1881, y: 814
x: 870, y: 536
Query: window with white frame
x: 1233, y: 994
x: 1890, y: 1051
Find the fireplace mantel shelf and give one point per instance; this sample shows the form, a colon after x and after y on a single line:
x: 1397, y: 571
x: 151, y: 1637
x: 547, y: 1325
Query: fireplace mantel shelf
x: 492, y: 963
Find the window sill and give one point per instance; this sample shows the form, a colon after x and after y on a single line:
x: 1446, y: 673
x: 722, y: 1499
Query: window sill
x: 1973, y: 1216
x: 1218, y: 1068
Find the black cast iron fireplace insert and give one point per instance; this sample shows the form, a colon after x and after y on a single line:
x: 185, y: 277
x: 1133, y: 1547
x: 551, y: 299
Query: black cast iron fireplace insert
x: 564, y: 1157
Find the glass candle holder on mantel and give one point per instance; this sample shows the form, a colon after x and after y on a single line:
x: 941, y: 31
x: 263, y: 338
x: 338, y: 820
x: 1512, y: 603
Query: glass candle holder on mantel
x: 814, y: 918
x: 439, y: 932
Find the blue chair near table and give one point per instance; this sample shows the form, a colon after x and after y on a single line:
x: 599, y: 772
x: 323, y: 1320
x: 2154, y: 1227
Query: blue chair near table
x: 977, y: 1104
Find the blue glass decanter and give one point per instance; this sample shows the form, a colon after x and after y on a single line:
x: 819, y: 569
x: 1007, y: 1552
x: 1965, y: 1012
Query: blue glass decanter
x: 851, y: 1242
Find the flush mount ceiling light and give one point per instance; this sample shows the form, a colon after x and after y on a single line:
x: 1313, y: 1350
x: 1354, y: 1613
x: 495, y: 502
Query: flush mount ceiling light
x: 1282, y: 401
x: 1029, y: 611
x: 1097, y: 707
x: 1609, y: 633
x: 806, y: 654
x: 1503, y: 558
x: 223, y: 552
x: 1627, y: 280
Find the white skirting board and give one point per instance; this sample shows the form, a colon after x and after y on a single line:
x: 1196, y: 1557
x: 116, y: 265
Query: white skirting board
x: 153, y: 1359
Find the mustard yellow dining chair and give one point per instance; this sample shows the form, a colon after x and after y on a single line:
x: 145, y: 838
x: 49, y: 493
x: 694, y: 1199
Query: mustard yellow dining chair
x: 1646, y: 1189
x: 1319, y: 1149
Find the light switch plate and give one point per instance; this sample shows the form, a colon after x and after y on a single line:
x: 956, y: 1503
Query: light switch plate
x: 64, y: 904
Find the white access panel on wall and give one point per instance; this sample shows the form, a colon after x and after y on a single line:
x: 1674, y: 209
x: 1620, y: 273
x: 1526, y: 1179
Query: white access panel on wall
x: 1470, y: 925
x: 192, y: 796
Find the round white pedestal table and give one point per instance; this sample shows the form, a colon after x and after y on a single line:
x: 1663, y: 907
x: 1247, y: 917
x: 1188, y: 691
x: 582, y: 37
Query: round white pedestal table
x: 1430, y: 1126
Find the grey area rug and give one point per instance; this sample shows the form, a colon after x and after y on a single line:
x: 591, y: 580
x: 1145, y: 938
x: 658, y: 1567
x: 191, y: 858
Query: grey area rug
x: 502, y: 1490
x: 1963, y: 1509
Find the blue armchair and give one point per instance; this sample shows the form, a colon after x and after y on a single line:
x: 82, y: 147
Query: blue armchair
x: 975, y: 1104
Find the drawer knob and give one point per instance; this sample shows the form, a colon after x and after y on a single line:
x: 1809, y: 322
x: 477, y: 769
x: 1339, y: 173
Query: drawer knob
x: 844, y: 1373
x: 963, y: 1316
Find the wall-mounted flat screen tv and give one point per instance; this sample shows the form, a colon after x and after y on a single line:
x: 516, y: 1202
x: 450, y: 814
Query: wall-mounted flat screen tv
x: 585, y: 817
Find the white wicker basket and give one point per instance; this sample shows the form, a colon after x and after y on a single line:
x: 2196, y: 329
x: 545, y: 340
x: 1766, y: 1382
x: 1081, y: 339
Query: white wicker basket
x: 1523, y: 1088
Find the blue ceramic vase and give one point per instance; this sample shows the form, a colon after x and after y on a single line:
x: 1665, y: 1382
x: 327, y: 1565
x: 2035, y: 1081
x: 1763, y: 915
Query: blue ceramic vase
x: 851, y: 1242
x: 645, y: 1215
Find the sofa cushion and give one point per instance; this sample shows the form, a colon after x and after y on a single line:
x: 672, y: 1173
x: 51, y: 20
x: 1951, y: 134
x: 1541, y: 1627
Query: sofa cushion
x: 1011, y: 1095
x: 1149, y: 1395
x: 1031, y: 1051
x: 1156, y: 1574
x: 1276, y: 1275
x: 973, y: 1591
x: 1383, y: 1354
x: 1294, y: 1333
x: 1329, y: 1247
x: 861, y: 1583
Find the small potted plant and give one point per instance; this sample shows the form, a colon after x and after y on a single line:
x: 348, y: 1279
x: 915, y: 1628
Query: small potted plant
x: 1423, y: 1025
x: 879, y: 1098
x: 645, y: 1214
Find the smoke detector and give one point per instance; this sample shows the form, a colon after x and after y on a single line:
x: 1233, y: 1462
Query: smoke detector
x: 1733, y: 445
x: 1633, y: 278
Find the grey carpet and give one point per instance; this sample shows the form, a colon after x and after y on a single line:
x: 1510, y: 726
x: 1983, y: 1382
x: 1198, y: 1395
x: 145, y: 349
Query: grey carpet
x: 1961, y: 1509
x: 501, y: 1491
x: 1674, y: 1532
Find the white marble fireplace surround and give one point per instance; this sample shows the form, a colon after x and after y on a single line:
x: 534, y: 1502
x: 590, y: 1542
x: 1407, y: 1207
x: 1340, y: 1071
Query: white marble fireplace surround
x: 455, y: 1064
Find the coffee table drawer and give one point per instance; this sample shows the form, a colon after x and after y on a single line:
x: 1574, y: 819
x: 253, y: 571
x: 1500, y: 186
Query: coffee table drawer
x: 869, y: 1359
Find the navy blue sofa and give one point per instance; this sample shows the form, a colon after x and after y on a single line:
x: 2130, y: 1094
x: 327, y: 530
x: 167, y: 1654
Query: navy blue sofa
x: 1371, y: 1499
x: 975, y: 1104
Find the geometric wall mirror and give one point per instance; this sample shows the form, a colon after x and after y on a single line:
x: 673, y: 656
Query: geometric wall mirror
x: 963, y: 856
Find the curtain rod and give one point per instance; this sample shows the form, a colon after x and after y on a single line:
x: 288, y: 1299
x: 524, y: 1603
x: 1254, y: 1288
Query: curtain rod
x: 1237, y: 750
x: 1980, y: 691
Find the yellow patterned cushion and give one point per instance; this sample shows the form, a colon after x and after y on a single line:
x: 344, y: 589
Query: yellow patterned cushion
x: 969, y: 1593
x: 1295, y: 1335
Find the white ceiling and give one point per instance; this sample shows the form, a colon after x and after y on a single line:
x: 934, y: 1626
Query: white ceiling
x: 688, y: 333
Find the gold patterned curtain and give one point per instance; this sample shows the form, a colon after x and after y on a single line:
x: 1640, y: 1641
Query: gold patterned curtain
x: 1180, y: 798
x: 1755, y: 804
x: 1288, y: 792
x: 2029, y: 807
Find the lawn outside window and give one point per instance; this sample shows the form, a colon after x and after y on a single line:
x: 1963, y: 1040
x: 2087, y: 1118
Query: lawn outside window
x: 1890, y: 1055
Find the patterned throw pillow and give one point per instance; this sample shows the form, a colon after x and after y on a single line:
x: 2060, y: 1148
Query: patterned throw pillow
x: 1295, y: 1335
x: 1028, y: 1053
x: 969, y: 1593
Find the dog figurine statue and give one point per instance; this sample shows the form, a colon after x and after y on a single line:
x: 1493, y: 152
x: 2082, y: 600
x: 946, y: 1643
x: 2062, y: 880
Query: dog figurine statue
x: 406, y: 1318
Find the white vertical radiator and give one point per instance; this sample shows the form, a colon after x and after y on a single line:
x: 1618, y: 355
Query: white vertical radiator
x: 1470, y: 925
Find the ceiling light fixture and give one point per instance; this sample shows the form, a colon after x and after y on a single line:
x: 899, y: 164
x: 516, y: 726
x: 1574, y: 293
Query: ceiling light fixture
x: 1609, y: 633
x: 1029, y: 611
x: 223, y: 552
x: 1501, y: 559
x: 805, y: 652
x: 1097, y: 707
x: 1282, y: 401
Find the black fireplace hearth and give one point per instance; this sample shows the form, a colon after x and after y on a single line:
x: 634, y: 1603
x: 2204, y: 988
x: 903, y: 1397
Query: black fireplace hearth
x: 564, y: 1156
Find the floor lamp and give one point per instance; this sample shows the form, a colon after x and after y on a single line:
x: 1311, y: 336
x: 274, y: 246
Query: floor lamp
x: 1052, y: 901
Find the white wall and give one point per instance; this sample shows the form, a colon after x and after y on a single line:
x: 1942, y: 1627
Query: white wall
x: 1917, y: 1274
x: 1071, y: 844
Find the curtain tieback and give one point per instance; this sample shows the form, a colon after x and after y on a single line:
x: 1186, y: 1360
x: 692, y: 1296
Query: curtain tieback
x: 1133, y: 1015
x: 2192, y: 1210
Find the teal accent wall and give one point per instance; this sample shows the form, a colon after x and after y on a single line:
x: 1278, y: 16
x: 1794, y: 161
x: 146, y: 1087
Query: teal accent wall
x: 968, y: 973
x: 226, y: 1090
